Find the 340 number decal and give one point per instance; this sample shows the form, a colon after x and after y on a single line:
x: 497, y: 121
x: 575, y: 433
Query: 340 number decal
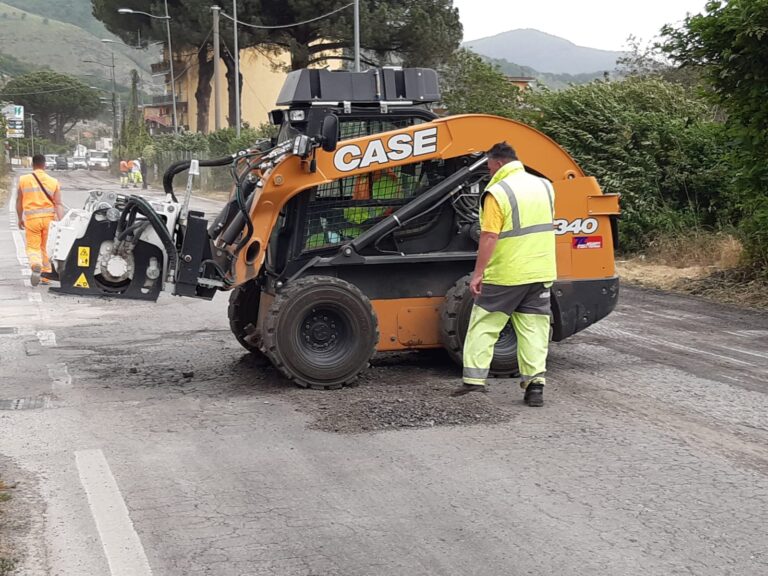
x: 578, y: 226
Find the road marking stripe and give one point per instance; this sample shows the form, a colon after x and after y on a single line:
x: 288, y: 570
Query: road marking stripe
x: 21, y: 253
x: 122, y: 546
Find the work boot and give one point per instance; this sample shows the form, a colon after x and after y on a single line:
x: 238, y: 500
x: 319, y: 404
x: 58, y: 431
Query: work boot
x: 534, y: 395
x: 34, y: 279
x: 467, y: 388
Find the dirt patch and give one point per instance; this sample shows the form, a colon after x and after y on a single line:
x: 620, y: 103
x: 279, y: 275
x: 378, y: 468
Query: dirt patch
x: 700, y: 263
x: 732, y: 286
x: 19, y: 507
x: 642, y: 272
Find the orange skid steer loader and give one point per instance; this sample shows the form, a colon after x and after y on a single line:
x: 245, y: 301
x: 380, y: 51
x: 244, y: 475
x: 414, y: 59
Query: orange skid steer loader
x: 354, y: 231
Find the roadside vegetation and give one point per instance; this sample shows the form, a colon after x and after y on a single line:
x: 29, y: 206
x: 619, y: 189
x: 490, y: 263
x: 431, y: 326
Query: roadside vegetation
x: 680, y: 134
x: 7, y: 562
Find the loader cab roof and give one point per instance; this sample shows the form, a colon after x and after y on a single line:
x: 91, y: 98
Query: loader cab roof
x: 382, y: 93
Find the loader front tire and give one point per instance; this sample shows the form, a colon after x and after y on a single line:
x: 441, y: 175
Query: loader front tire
x: 454, y: 321
x: 320, y: 332
x: 243, y: 314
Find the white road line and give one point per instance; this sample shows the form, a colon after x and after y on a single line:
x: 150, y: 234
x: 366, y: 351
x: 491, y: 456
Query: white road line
x: 60, y: 377
x: 46, y: 337
x: 121, y: 543
x: 21, y: 252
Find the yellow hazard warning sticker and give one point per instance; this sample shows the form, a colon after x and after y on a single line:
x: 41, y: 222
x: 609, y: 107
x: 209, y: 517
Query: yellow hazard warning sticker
x: 83, y: 256
x: 82, y: 282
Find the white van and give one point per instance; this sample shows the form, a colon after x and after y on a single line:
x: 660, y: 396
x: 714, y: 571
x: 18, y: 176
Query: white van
x: 97, y: 160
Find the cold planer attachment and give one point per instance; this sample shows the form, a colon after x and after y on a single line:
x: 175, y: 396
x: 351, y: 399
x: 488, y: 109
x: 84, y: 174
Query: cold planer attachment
x: 129, y: 247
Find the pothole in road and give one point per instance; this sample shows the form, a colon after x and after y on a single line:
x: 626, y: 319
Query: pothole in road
x: 400, y: 391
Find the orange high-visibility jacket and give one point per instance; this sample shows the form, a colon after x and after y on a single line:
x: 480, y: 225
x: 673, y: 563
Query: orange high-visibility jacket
x: 34, y: 201
x: 123, y: 166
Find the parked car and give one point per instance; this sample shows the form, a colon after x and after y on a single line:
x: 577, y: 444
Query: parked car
x: 61, y: 163
x: 50, y: 161
x: 70, y: 163
x: 79, y: 162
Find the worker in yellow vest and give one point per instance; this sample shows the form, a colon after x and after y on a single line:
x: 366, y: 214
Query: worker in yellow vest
x: 38, y: 203
x: 516, y: 265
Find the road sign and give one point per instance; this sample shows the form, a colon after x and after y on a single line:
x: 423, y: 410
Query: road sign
x: 14, y: 116
x: 13, y: 112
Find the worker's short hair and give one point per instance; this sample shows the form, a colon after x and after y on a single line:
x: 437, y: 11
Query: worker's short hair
x: 502, y: 151
x: 38, y: 161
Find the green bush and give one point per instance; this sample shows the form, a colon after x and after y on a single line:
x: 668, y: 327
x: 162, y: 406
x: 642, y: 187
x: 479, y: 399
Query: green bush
x: 648, y: 140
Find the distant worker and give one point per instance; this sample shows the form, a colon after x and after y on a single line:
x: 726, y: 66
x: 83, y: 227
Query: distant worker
x: 143, y: 172
x: 515, y: 268
x: 38, y: 203
x: 136, y: 173
x: 124, y: 174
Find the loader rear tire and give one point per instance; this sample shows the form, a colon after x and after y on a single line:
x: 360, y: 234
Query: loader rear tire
x: 243, y: 314
x: 454, y: 321
x: 320, y: 332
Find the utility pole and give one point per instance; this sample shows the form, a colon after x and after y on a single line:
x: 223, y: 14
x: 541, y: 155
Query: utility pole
x: 114, y: 92
x: 173, y: 77
x: 357, y: 35
x: 237, y: 72
x: 32, y: 132
x: 216, y: 63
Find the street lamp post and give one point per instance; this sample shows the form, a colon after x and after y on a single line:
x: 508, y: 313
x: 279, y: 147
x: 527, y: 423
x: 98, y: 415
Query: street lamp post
x: 167, y: 19
x: 32, y: 131
x: 114, y: 90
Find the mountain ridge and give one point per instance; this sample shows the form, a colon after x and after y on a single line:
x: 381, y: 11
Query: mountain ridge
x: 544, y: 52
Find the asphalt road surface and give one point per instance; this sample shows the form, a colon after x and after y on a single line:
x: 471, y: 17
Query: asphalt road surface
x: 145, y: 441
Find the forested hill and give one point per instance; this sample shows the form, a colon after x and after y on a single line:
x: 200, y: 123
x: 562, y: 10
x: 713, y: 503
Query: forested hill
x: 60, y: 34
x: 544, y: 52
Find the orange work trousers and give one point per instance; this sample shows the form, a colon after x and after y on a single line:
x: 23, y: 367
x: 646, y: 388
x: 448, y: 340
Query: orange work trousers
x: 37, y: 238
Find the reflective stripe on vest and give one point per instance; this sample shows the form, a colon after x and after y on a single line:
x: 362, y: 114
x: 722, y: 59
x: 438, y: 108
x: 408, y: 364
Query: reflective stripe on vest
x: 37, y: 211
x: 518, y: 230
x: 525, y: 252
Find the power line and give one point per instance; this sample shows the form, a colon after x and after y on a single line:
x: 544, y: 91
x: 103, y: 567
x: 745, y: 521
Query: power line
x: 42, y: 92
x: 286, y: 25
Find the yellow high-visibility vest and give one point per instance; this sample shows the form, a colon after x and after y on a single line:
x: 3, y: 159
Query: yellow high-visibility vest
x: 525, y: 251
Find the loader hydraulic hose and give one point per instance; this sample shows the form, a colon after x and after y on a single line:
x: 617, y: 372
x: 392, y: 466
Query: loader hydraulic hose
x: 179, y: 167
x: 138, y: 204
x: 416, y: 207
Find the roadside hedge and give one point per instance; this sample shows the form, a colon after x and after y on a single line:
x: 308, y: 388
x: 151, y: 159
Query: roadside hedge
x: 649, y: 140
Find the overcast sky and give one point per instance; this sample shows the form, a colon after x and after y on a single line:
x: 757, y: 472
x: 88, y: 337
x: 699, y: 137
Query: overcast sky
x: 602, y: 24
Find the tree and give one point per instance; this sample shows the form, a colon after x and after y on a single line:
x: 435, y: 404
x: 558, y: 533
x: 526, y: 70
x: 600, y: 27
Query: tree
x: 58, y: 101
x: 470, y: 85
x: 411, y: 32
x: 191, y: 31
x: 729, y: 45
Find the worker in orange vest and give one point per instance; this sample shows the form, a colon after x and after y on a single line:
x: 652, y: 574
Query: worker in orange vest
x: 124, y: 170
x: 38, y: 203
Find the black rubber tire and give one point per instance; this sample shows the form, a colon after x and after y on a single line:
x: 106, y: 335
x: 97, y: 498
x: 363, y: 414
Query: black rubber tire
x: 454, y: 320
x: 243, y: 311
x: 320, y: 332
